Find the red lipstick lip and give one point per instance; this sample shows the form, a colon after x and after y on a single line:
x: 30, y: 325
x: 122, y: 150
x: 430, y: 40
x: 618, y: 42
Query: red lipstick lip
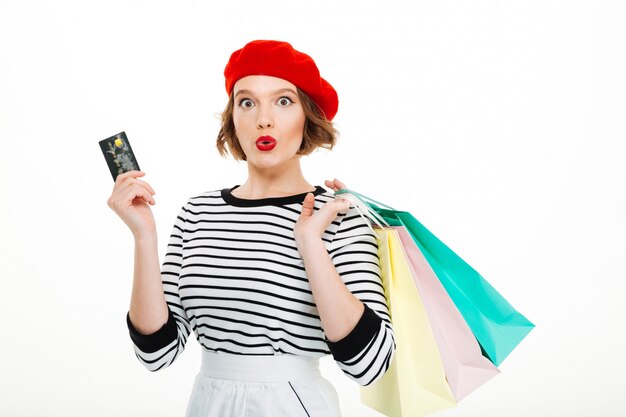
x: 265, y: 143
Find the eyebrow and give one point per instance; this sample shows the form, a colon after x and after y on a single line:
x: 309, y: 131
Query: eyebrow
x: 282, y: 90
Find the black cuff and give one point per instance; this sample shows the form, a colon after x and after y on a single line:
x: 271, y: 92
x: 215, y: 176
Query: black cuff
x: 362, y: 334
x: 150, y: 343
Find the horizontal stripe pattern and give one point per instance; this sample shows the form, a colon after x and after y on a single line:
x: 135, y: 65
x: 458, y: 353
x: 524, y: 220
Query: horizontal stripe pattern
x: 232, y: 274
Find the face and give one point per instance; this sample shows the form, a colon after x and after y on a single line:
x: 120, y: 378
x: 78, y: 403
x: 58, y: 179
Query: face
x: 269, y: 120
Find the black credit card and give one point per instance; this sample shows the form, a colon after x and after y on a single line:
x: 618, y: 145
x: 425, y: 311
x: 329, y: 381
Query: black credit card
x: 118, y: 154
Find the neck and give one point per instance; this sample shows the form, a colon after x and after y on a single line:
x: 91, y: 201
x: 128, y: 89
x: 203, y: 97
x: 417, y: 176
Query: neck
x: 276, y: 182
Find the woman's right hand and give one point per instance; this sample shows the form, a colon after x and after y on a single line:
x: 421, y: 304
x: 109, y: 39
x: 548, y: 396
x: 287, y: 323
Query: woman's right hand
x: 131, y: 199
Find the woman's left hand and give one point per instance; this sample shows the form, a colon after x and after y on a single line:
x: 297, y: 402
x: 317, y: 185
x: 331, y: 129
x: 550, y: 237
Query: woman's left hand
x: 311, y: 224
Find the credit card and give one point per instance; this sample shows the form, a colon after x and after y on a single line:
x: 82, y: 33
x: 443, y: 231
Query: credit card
x: 118, y: 154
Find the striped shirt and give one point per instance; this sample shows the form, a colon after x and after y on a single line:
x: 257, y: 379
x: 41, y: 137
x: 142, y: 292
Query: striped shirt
x: 233, y: 275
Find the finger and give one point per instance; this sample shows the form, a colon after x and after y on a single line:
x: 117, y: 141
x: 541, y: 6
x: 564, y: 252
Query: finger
x: 335, y: 184
x: 340, y: 185
x: 148, y: 186
x: 343, y: 204
x: 332, y: 208
x: 138, y: 192
x: 133, y: 182
x: 330, y: 184
x: 129, y: 174
x: 128, y: 197
x: 307, y: 205
x: 142, y: 199
x: 123, y: 179
x: 329, y: 211
x: 145, y: 199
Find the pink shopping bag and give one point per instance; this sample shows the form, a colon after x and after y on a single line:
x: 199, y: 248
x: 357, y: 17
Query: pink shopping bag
x: 465, y: 367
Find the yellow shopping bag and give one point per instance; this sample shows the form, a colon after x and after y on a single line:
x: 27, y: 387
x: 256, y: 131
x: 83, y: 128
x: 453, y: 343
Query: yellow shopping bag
x: 415, y: 384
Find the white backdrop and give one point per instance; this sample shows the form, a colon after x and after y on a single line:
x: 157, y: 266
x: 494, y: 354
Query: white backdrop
x: 498, y: 124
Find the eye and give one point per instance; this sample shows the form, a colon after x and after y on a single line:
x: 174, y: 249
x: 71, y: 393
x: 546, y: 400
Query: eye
x: 246, y: 103
x: 284, y: 101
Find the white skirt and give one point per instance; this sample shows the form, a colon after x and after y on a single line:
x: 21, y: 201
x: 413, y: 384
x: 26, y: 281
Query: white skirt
x: 261, y: 386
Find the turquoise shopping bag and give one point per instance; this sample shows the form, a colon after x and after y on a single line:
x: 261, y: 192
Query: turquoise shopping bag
x: 497, y: 326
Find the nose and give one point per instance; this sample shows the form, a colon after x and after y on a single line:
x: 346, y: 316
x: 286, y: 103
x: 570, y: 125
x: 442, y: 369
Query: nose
x: 264, y: 119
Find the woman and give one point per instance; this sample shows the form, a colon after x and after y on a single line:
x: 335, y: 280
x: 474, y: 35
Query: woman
x: 270, y: 275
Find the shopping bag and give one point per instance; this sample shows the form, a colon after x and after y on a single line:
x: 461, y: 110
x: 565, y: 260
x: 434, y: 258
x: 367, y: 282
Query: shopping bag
x: 465, y: 367
x: 498, y: 327
x: 415, y: 384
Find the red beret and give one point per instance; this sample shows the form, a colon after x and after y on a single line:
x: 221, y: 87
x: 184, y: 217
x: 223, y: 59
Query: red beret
x: 279, y: 59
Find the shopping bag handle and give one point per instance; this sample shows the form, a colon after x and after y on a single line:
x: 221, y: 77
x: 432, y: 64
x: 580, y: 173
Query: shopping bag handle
x: 366, y: 199
x: 365, y: 206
